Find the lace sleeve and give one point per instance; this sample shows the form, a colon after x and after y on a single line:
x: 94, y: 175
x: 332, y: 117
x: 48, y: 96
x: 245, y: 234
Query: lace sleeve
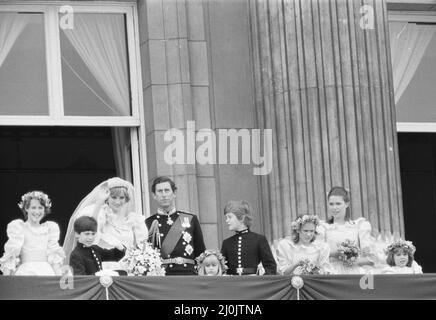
x: 321, y: 231
x: 55, y: 253
x: 417, y: 269
x: 10, y: 258
x: 283, y: 255
x: 323, y: 260
x: 364, y: 230
x: 139, y: 228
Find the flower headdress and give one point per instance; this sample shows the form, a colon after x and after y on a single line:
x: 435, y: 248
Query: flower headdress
x: 407, y: 246
x: 38, y: 195
x: 215, y: 253
x: 300, y: 221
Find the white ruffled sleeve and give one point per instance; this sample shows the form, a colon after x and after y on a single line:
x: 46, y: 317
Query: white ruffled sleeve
x: 367, y: 243
x: 324, y: 254
x: 417, y: 269
x: 321, y: 231
x: 55, y: 253
x: 103, y: 238
x: 139, y: 228
x: 10, y: 258
x: 283, y: 255
x: 364, y: 230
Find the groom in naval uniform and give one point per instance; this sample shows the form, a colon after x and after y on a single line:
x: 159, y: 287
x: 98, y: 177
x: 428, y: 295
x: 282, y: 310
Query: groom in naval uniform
x: 177, y: 233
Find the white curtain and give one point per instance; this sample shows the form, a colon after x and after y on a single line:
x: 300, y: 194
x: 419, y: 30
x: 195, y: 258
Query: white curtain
x: 11, y: 26
x: 99, y: 40
x: 408, y: 44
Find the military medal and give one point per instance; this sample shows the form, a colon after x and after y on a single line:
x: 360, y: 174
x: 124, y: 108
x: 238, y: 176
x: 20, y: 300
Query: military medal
x: 185, y: 222
x: 170, y: 221
x: 187, y: 237
x: 189, y: 249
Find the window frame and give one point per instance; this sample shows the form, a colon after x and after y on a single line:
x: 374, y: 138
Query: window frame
x: 414, y: 16
x: 136, y: 122
x: 56, y: 116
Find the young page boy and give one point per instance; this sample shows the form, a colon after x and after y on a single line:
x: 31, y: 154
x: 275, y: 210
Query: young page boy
x: 86, y: 258
x: 246, y: 249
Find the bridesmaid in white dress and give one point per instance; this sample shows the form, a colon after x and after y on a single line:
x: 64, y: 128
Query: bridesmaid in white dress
x: 300, y: 246
x: 33, y: 248
x: 400, y: 258
x: 112, y: 204
x: 340, y: 228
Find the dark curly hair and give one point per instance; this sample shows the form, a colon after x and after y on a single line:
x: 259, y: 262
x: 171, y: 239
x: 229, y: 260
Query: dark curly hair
x: 391, y: 261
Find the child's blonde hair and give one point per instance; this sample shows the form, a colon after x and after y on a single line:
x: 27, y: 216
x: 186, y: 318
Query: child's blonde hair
x: 298, y: 224
x: 222, y: 265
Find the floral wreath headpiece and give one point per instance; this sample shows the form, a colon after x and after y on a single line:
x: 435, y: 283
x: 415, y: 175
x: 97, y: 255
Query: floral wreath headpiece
x: 215, y: 253
x: 401, y: 244
x: 38, y: 195
x: 300, y: 221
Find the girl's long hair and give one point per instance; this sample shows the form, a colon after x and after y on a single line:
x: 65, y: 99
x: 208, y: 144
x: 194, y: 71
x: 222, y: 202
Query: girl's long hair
x: 345, y: 195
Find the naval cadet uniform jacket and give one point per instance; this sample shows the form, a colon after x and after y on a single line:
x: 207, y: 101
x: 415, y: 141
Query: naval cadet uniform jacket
x: 245, y: 250
x: 87, y: 260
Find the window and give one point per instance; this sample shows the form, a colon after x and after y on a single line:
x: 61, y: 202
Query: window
x: 77, y: 71
x: 76, y: 64
x: 413, y: 47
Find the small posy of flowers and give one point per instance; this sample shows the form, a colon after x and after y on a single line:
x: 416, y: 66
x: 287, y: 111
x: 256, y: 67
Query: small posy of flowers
x: 143, y: 260
x: 306, y: 267
x: 348, y: 252
x: 41, y: 196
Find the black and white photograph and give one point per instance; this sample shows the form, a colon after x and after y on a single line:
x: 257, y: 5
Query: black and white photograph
x: 218, y: 153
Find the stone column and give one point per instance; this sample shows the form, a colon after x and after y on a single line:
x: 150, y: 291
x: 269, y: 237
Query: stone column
x: 176, y: 90
x: 323, y: 83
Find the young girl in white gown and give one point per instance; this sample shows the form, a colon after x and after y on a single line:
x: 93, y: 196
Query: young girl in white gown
x: 400, y: 259
x: 340, y: 228
x: 112, y: 204
x: 300, y: 246
x: 33, y: 248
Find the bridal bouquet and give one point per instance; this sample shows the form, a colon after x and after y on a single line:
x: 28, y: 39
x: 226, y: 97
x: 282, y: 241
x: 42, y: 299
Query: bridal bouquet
x: 143, y: 260
x: 348, y: 252
x: 306, y: 267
